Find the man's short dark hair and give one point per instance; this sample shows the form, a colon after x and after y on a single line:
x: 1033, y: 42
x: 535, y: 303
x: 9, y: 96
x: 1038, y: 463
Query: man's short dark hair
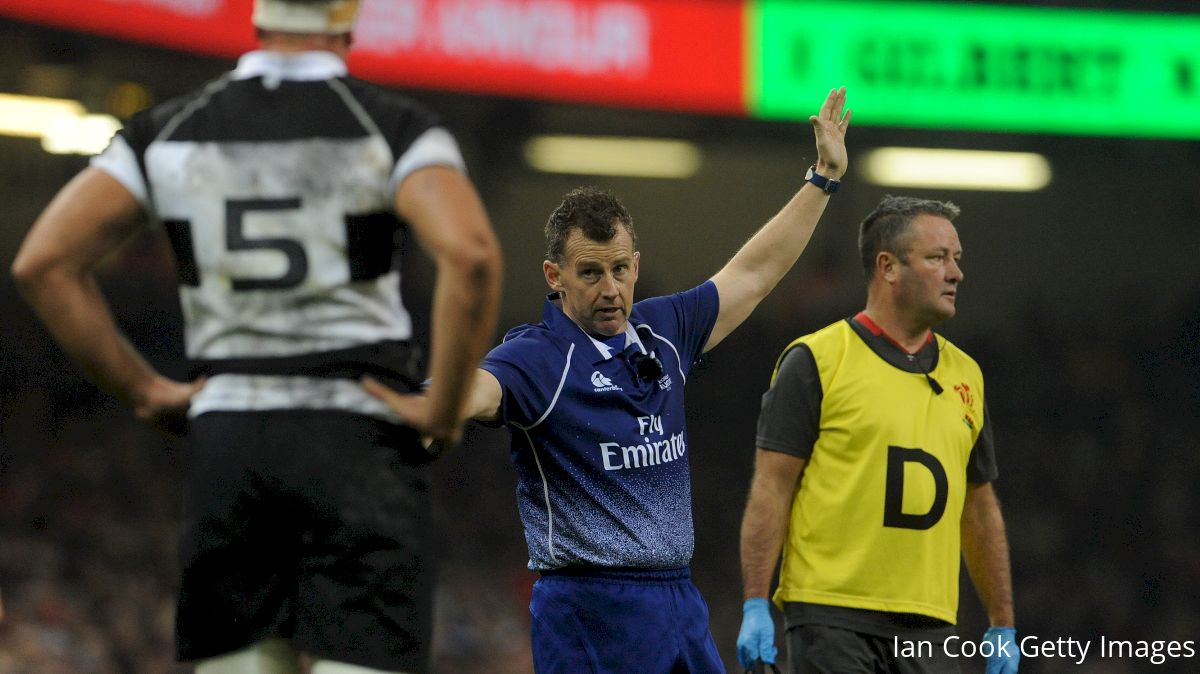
x: 594, y: 211
x: 889, y: 226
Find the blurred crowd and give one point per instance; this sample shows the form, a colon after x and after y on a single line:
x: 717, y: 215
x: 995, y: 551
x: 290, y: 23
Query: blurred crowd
x: 1094, y: 426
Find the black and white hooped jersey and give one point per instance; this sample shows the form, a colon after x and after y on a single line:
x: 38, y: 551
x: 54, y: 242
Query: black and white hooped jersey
x: 276, y: 185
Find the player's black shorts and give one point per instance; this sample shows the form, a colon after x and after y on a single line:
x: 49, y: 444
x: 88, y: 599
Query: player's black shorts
x: 309, y: 525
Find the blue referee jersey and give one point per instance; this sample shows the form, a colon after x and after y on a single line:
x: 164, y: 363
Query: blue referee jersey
x: 599, y: 437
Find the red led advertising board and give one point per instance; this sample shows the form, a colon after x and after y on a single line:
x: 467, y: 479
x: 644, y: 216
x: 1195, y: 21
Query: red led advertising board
x: 664, y: 54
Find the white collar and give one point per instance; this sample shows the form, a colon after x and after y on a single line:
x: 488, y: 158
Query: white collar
x: 631, y: 337
x: 274, y: 66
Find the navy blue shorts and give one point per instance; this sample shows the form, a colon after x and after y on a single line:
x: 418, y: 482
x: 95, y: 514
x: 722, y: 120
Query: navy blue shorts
x: 603, y: 621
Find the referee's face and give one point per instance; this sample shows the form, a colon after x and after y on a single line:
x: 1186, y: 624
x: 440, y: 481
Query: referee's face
x: 596, y: 280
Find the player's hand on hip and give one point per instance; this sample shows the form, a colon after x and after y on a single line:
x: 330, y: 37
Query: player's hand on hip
x: 829, y: 127
x: 1005, y: 654
x: 416, y: 410
x: 756, y: 639
x: 164, y: 404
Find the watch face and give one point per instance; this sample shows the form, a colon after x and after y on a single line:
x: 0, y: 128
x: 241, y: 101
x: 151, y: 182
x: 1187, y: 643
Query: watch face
x: 810, y: 174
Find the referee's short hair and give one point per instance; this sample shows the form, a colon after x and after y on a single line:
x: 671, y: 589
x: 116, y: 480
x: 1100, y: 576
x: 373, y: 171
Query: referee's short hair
x: 889, y: 227
x: 594, y: 211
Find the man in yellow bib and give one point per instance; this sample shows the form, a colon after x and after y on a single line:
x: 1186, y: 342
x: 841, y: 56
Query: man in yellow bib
x: 874, y: 462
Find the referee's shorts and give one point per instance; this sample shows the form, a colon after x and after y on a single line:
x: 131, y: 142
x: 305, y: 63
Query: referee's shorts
x: 618, y: 621
x: 310, y: 525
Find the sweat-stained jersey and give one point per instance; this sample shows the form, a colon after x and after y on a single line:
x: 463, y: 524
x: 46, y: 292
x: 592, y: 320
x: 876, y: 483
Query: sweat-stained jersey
x: 875, y: 522
x: 599, y: 436
x: 276, y: 185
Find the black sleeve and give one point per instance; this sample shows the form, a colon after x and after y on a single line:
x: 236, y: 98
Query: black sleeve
x: 400, y: 119
x: 790, y: 418
x: 981, y: 465
x: 144, y: 126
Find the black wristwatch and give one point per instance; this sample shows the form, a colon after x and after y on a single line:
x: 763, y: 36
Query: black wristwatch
x: 828, y: 185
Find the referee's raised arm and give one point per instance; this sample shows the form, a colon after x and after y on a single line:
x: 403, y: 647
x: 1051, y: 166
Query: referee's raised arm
x: 759, y: 265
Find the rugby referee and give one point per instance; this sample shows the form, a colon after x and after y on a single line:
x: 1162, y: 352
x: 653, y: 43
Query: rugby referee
x: 593, y: 398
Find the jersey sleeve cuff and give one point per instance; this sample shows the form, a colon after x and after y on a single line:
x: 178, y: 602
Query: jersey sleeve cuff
x: 783, y: 448
x: 435, y: 147
x: 119, y: 161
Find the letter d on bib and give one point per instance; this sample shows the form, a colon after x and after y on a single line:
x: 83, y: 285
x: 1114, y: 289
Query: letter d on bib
x: 893, y: 515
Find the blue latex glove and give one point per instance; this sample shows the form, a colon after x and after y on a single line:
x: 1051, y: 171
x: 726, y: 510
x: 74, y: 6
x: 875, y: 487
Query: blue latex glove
x: 1006, y: 654
x: 756, y: 639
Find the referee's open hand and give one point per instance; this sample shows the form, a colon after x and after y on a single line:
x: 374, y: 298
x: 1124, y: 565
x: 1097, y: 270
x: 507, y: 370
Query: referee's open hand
x: 829, y: 127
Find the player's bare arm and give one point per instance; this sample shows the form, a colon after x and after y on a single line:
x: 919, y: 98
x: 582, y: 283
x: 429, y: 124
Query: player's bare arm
x: 88, y: 219
x: 985, y: 551
x: 450, y: 223
x: 482, y: 402
x: 755, y: 270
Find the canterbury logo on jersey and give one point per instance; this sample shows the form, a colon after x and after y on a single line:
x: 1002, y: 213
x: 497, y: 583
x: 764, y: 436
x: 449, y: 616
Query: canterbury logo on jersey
x: 603, y: 383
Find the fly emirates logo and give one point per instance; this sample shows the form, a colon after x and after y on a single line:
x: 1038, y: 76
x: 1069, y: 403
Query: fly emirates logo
x: 656, y: 448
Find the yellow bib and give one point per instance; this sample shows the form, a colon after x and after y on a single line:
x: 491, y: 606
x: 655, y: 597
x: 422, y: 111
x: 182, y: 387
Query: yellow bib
x: 875, y: 522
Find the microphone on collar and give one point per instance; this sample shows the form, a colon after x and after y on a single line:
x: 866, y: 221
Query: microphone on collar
x: 647, y: 365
